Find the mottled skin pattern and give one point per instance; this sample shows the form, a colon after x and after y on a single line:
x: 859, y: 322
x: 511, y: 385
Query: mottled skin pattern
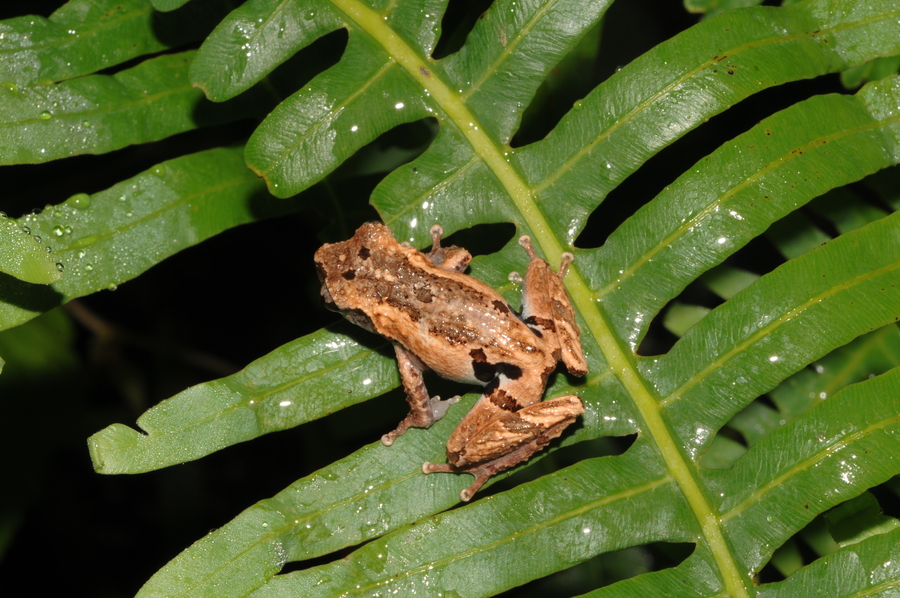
x: 441, y: 319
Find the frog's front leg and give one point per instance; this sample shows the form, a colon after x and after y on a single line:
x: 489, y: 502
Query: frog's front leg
x: 423, y: 410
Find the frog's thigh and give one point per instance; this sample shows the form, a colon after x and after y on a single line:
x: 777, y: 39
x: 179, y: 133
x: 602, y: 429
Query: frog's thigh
x: 538, y: 423
x: 535, y: 427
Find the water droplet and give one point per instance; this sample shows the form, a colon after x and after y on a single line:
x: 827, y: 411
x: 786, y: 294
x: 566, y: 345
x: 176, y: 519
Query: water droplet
x: 79, y: 201
x: 112, y: 287
x: 86, y: 123
x: 68, y: 230
x: 88, y: 267
x: 82, y: 253
x: 26, y: 230
x: 45, y: 115
x: 60, y: 267
x: 578, y: 105
x: 58, y: 230
x: 160, y: 170
x: 10, y: 87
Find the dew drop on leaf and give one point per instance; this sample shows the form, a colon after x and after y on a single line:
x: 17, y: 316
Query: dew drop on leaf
x: 79, y: 201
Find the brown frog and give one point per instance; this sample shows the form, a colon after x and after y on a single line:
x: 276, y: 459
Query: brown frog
x: 441, y: 319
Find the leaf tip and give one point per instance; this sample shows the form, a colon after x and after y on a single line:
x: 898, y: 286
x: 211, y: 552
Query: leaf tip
x: 107, y: 445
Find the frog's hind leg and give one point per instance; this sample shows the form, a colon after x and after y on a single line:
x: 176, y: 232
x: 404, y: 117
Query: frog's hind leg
x: 525, y: 432
x: 423, y: 410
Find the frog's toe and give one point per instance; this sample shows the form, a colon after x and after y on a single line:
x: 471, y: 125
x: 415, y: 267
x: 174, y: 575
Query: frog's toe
x: 439, y: 407
x: 437, y: 468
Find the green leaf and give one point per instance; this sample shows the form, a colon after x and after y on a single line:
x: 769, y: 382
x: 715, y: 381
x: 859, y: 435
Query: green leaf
x: 96, y: 114
x: 270, y: 394
x: 22, y: 255
x: 167, y: 5
x: 85, y: 36
x: 871, y: 71
x: 860, y: 570
x: 105, y: 239
x: 714, y: 7
x: 859, y: 519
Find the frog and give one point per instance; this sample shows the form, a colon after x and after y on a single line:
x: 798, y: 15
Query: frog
x: 439, y: 318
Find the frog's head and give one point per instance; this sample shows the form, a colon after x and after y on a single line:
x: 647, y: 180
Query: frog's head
x: 356, y: 316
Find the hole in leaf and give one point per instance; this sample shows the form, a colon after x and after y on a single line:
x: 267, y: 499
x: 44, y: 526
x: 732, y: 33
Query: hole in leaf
x: 390, y: 150
x: 302, y: 67
x: 605, y: 569
x: 459, y: 19
x: 622, y: 35
x: 679, y: 157
x: 320, y: 560
x: 883, y: 185
x: 870, y: 194
x: 482, y: 239
x: 870, y: 513
x: 569, y: 81
x: 706, y: 293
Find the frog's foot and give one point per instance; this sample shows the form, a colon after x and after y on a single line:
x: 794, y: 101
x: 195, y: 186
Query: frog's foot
x: 439, y: 407
x: 481, y: 474
x: 436, y: 232
x: 419, y: 419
